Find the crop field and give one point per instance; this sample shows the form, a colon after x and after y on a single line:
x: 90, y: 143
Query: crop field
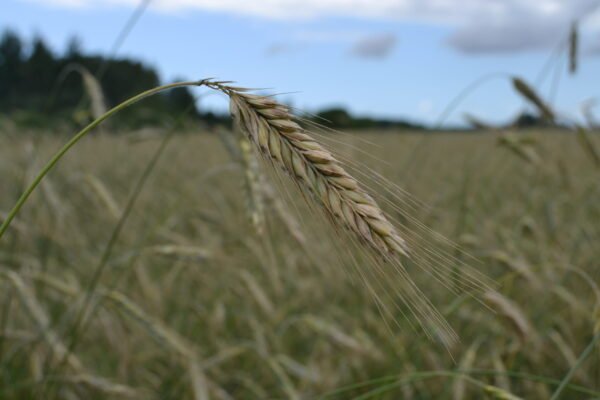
x: 145, y: 265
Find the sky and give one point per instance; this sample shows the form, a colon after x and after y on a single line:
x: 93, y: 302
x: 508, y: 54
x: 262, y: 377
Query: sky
x: 385, y: 58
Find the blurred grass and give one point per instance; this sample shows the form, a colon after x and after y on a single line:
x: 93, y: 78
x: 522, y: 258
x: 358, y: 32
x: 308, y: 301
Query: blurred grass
x: 205, y: 307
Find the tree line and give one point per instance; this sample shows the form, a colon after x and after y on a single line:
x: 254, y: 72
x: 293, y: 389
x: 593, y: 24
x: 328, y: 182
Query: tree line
x: 33, y: 81
x: 35, y: 88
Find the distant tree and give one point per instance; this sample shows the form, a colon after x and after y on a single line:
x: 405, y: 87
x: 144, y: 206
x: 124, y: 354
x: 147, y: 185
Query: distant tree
x: 41, y: 69
x: 11, y: 61
x: 43, y: 86
x: 339, y: 118
x: 335, y: 117
x: 74, y: 49
x: 526, y: 120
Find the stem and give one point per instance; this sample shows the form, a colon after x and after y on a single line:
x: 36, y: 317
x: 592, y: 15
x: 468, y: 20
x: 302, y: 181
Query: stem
x: 54, y: 160
x: 588, y: 350
x: 79, y: 324
x: 463, y: 95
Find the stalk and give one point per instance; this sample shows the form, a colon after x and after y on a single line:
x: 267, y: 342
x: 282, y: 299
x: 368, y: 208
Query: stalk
x: 80, y: 135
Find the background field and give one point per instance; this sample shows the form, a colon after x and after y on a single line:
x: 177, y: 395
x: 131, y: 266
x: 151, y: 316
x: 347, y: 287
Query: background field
x: 194, y: 303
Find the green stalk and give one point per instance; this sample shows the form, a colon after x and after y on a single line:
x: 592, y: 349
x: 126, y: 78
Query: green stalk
x: 584, y: 355
x: 79, y: 324
x: 54, y: 160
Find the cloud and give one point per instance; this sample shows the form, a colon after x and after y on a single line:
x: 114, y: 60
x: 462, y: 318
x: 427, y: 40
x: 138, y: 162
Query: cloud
x: 443, y: 11
x: 303, y: 39
x: 328, y: 36
x: 504, y: 37
x: 363, y: 44
x: 375, y: 47
x: 478, y: 26
x: 62, y: 3
x: 520, y: 27
x: 593, y: 49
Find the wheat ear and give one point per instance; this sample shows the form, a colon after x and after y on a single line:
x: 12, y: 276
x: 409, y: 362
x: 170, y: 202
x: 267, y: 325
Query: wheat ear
x: 477, y: 123
x: 573, y: 47
x: 528, y: 93
x: 91, y: 86
x: 272, y: 128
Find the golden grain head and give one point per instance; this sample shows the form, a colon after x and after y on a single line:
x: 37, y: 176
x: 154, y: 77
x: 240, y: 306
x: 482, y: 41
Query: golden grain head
x: 525, y: 90
x: 271, y: 127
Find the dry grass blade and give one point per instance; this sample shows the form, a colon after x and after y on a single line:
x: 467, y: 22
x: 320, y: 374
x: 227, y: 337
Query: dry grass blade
x: 162, y: 334
x: 588, y: 145
x: 477, y: 123
x: 39, y: 317
x: 575, y: 303
x: 567, y: 353
x: 198, y: 380
x: 459, y: 388
x: 286, y: 382
x: 501, y: 380
x: 255, y: 198
x: 288, y: 219
x: 102, y: 385
x: 59, y: 350
x: 262, y: 193
x: 104, y: 195
x: 521, y: 147
x: 499, y: 394
x: 91, y: 86
x: 18, y: 335
x: 512, y: 313
x: 297, y: 369
x: 173, y: 250
x: 518, y: 266
x: 528, y: 93
x: 338, y: 336
x: 259, y: 295
x: 94, y: 91
x: 168, y: 338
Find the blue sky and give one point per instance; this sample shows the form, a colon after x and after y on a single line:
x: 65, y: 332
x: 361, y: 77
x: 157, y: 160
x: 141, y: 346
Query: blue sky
x: 389, y: 58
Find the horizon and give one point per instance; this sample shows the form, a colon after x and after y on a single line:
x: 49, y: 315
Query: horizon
x: 329, y: 56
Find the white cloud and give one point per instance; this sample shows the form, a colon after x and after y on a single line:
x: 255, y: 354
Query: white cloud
x: 62, y: 3
x: 481, y: 25
x: 328, y: 36
x: 448, y: 11
x: 521, y: 26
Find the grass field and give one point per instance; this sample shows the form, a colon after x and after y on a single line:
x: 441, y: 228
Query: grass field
x: 194, y: 303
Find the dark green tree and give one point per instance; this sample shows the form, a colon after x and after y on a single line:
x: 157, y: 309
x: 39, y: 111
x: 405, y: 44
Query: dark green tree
x: 41, y: 70
x: 11, y: 62
x: 74, y: 49
x: 38, y: 85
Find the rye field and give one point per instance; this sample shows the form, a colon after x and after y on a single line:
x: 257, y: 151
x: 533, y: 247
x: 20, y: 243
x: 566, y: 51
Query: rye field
x: 146, y: 266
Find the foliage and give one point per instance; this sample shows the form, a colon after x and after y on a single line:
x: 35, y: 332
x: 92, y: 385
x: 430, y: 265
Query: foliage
x: 30, y: 80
